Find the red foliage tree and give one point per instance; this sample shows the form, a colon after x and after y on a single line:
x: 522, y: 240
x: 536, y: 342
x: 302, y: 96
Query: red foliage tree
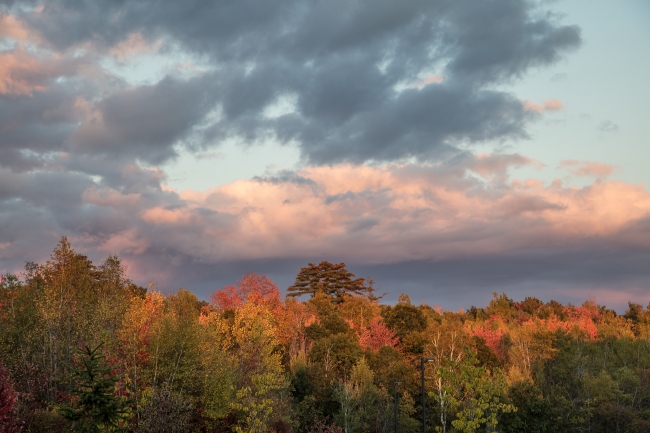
x: 258, y: 289
x: 8, y: 398
x: 378, y: 335
x: 493, y: 334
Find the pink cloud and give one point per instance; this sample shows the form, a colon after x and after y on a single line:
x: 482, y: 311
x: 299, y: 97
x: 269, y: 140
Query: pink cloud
x: 12, y: 28
x: 550, y: 105
x: 110, y: 197
x: 381, y: 214
x: 359, y: 214
x: 128, y: 242
x: 419, y: 84
x: 134, y: 44
x: 587, y: 168
x: 20, y: 73
x: 489, y: 165
x: 23, y: 73
x: 159, y: 215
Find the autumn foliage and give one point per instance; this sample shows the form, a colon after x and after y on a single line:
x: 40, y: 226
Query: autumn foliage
x: 376, y: 336
x: 8, y: 400
x: 326, y: 358
x: 252, y: 288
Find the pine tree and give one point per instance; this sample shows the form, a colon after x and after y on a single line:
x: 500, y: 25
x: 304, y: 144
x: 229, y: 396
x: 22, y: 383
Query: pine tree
x: 97, y: 409
x: 331, y: 279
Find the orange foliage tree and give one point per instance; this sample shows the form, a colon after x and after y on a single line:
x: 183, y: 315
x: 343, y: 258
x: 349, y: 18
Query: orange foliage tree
x: 292, y: 326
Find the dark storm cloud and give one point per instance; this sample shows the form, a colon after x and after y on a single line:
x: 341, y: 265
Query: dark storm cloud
x: 610, y: 276
x: 497, y: 40
x: 144, y: 122
x: 34, y: 125
x: 347, y: 64
x: 417, y: 123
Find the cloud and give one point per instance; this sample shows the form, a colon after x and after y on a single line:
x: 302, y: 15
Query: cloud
x: 492, y: 166
x: 22, y: 73
x: 451, y: 221
x: 144, y: 122
x: 209, y: 156
x: 559, y: 77
x: 14, y: 29
x: 422, y: 212
x: 352, y: 72
x: 550, y: 105
x: 608, y: 126
x: 587, y: 168
x: 419, y: 84
x: 134, y: 44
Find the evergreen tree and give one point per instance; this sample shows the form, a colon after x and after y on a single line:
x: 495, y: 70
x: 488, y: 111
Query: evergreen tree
x: 96, y: 408
x: 331, y: 279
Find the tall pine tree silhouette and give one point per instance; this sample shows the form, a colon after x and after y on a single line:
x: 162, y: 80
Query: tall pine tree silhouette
x: 331, y: 279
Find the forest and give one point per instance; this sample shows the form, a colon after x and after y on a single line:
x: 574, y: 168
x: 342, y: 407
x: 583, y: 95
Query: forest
x: 84, y: 349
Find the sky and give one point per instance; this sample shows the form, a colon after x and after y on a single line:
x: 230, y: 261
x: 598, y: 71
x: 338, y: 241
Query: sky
x: 448, y: 149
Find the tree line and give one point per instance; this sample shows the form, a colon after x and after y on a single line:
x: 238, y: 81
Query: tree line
x: 84, y: 349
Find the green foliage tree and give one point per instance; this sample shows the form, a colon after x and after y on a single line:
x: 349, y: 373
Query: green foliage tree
x: 445, y: 352
x: 406, y: 415
x: 357, y: 398
x: 559, y: 379
x: 390, y: 365
x: 474, y: 395
x: 330, y: 320
x: 533, y: 414
x: 96, y: 408
x: 481, y: 397
x: 331, y: 279
x: 335, y: 355
x: 404, y: 318
x: 305, y: 408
